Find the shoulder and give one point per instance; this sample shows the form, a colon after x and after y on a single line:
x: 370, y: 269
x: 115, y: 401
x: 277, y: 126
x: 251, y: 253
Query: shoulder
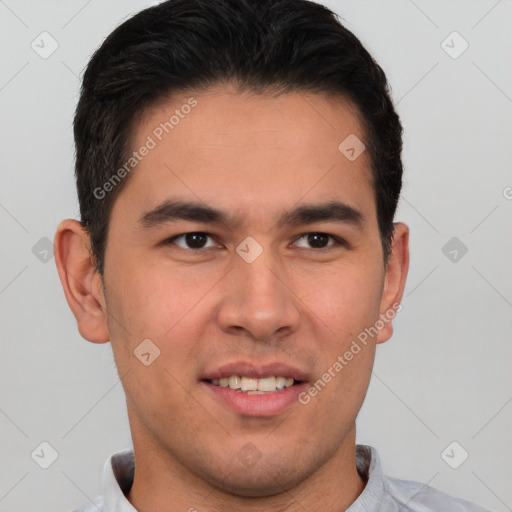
x: 418, y: 497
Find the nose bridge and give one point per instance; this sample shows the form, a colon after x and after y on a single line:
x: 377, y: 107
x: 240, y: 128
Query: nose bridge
x: 258, y: 299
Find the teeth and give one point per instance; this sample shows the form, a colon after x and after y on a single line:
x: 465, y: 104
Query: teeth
x: 235, y: 382
x: 254, y: 386
x: 267, y: 384
x: 249, y: 384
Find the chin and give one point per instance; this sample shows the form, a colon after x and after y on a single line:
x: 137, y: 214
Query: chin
x: 260, y: 477
x: 261, y: 483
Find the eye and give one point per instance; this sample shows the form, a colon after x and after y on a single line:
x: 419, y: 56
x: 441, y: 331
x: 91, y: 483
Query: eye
x: 319, y: 240
x: 193, y: 240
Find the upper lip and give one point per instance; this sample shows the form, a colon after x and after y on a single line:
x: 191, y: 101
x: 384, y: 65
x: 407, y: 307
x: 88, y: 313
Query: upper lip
x: 246, y: 369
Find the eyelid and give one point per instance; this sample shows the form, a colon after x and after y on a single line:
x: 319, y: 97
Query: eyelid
x: 340, y: 242
x: 172, y: 240
x: 337, y: 241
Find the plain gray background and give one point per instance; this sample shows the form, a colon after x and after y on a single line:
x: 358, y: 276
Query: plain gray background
x: 445, y: 375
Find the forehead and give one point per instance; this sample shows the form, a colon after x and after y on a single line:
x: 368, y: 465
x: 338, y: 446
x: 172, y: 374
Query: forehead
x: 225, y: 147
x: 222, y: 116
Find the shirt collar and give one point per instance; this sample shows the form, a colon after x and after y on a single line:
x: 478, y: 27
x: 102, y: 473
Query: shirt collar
x: 117, y: 480
x: 369, y: 468
x: 118, y: 475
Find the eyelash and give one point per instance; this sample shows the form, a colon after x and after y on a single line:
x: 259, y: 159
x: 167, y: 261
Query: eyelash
x: 337, y: 241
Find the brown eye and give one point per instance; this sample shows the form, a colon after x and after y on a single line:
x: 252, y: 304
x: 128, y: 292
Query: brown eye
x: 318, y: 240
x: 194, y: 240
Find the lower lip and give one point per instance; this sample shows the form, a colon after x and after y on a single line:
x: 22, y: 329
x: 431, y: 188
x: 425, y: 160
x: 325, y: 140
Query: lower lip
x: 268, y: 404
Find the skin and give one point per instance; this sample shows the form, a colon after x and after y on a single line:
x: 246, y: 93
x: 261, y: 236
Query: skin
x: 254, y: 156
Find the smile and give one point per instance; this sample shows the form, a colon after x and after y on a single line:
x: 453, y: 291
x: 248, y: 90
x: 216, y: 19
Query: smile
x: 253, y: 386
x: 255, y: 390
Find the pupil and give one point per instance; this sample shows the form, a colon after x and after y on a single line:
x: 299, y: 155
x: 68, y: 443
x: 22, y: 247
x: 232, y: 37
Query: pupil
x: 194, y: 240
x: 317, y: 239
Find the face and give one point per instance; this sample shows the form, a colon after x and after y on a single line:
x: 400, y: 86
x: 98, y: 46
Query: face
x: 245, y: 246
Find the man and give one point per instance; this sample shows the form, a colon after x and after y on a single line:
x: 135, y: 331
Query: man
x: 238, y: 168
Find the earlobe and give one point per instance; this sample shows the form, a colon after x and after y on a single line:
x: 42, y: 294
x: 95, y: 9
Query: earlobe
x: 80, y: 280
x: 394, y: 284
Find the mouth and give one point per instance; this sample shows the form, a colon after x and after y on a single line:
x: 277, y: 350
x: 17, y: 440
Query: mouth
x: 256, y: 391
x: 254, y: 386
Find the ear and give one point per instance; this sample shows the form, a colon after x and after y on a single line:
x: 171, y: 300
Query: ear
x: 81, y: 282
x: 394, y: 280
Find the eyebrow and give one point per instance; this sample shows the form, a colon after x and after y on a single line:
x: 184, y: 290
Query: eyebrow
x: 171, y: 211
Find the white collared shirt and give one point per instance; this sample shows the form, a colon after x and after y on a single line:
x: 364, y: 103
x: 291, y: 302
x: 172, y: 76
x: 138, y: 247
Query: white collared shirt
x: 381, y: 493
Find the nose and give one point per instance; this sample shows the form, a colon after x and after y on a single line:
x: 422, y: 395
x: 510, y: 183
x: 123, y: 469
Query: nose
x: 259, y: 300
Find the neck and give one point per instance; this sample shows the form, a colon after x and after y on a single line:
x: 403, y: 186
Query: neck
x: 161, y: 484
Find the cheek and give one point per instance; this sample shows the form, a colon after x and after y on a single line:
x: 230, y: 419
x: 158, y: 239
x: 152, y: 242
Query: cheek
x: 346, y: 303
x: 155, y: 303
x: 145, y: 305
x: 151, y: 293
x: 345, y: 299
